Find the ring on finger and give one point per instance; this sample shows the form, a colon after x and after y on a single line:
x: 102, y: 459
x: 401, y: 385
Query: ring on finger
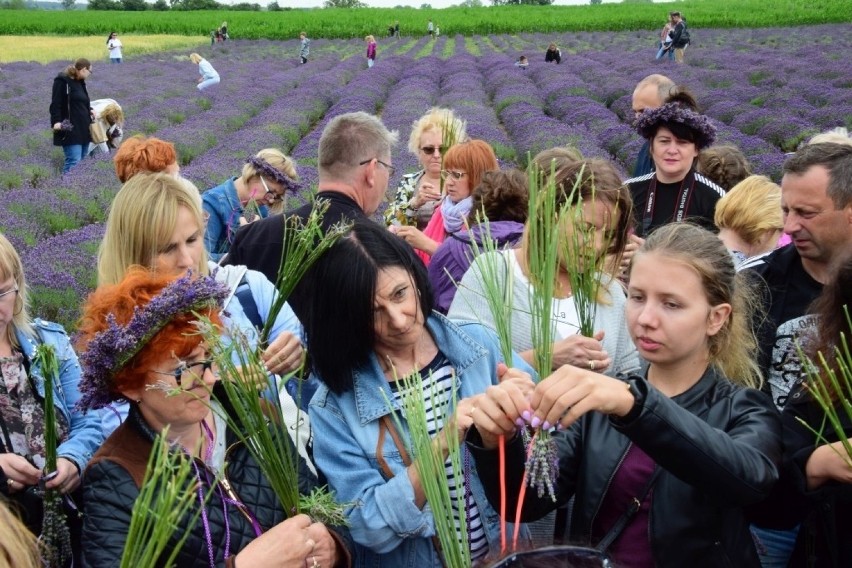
x: 591, y: 365
x: 312, y: 543
x: 315, y: 563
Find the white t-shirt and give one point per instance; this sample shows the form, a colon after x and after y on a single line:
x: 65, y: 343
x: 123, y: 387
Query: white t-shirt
x: 114, y: 47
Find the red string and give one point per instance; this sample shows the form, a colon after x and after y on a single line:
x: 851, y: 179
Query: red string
x: 522, y: 494
x: 502, y: 495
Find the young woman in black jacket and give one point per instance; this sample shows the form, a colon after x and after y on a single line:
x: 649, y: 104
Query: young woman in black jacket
x: 71, y: 113
x: 689, y: 440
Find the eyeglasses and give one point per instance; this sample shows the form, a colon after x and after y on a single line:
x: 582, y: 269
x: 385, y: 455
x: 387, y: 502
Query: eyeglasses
x: 8, y: 293
x: 429, y: 150
x: 391, y: 170
x: 275, y: 196
x: 446, y: 174
x: 187, y: 374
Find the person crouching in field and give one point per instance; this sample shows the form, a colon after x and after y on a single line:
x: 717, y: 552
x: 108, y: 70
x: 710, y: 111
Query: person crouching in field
x: 209, y: 76
x: 111, y: 118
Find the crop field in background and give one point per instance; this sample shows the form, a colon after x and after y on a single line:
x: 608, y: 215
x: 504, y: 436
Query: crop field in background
x: 44, y: 49
x: 766, y: 90
x: 356, y: 23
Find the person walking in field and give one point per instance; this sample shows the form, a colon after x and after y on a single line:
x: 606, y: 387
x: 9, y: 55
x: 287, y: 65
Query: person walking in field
x: 305, y: 47
x: 371, y: 51
x: 209, y: 76
x: 114, y: 47
x: 430, y: 29
x: 70, y: 112
x: 680, y: 37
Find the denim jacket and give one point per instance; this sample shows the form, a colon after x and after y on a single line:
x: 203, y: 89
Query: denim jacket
x: 388, y: 528
x: 224, y: 207
x: 85, y: 435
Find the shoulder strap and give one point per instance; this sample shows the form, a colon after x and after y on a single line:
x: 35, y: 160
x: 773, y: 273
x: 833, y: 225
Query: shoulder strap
x: 246, y: 299
x: 628, y: 515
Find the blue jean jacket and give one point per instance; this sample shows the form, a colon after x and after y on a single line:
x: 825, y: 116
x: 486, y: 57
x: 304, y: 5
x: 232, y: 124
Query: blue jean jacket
x: 388, y: 528
x: 223, y: 205
x: 85, y: 435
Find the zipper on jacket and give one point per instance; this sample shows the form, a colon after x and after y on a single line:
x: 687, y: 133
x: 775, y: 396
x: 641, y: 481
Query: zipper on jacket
x: 229, y: 490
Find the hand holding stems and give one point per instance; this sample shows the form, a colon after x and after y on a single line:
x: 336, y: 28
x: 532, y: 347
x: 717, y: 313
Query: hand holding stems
x: 284, y: 354
x: 577, y: 350
x: 500, y: 409
x: 416, y: 238
x: 21, y: 472
x: 67, y: 476
x: 290, y: 544
x: 426, y: 193
x: 828, y: 463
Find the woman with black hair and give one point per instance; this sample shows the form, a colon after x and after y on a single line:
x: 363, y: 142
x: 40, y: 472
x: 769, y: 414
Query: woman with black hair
x: 676, y: 133
x: 371, y: 323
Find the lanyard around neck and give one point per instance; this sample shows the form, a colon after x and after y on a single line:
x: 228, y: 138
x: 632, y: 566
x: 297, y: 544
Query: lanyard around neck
x: 683, y: 199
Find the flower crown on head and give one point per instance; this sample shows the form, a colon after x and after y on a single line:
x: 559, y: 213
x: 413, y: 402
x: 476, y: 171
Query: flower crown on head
x: 651, y: 119
x: 264, y: 168
x: 113, y: 348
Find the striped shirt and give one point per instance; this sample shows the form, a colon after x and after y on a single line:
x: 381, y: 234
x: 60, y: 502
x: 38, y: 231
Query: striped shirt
x: 437, y: 382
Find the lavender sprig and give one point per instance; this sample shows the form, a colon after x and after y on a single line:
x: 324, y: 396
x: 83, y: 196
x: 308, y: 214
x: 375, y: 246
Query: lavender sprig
x: 55, y: 536
x: 66, y: 126
x: 114, y: 347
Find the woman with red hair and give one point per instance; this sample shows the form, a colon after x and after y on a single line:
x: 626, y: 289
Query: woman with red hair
x: 141, y: 343
x: 464, y: 165
x: 139, y: 154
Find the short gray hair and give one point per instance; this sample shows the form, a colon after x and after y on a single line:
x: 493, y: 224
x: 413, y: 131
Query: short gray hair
x: 350, y: 139
x: 664, y: 85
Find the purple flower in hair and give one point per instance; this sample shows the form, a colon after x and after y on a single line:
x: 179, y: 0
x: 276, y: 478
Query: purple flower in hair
x: 114, y: 347
x: 265, y: 169
x: 651, y: 119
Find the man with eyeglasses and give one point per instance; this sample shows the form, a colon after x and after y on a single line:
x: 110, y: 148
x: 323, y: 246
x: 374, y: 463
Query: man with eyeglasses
x: 354, y: 168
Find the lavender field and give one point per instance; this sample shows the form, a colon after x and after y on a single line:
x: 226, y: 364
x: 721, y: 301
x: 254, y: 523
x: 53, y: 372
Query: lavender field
x: 766, y: 89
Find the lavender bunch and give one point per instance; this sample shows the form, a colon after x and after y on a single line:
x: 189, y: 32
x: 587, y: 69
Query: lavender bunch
x: 830, y: 383
x: 55, y: 536
x: 304, y: 243
x: 115, y: 346
x: 543, y: 232
x: 66, y: 126
x: 430, y: 460
x: 165, y: 498
x: 258, y: 424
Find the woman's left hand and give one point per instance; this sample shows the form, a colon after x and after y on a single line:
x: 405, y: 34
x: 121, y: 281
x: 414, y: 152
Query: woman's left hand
x: 416, y: 238
x: 67, y: 476
x: 325, y: 549
x: 570, y: 392
x: 283, y: 355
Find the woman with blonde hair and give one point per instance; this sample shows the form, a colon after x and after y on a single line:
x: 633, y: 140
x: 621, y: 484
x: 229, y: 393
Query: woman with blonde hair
x: 209, y: 76
x: 464, y: 165
x: 18, y: 546
x: 109, y: 115
x: 156, y: 221
x: 675, y: 453
x: 258, y: 191
x: 23, y: 451
x: 418, y: 193
x: 749, y: 218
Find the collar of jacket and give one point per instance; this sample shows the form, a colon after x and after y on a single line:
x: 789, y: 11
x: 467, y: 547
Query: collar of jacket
x: 369, y: 381
x: 697, y: 393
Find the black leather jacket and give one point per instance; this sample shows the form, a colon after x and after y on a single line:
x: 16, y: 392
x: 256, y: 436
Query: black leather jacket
x: 111, y: 485
x: 719, y: 446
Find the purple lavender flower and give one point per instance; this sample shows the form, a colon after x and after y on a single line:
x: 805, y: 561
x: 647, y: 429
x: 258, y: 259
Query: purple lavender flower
x: 66, y: 126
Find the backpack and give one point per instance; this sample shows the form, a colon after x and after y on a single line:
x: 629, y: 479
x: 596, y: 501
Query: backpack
x: 684, y: 37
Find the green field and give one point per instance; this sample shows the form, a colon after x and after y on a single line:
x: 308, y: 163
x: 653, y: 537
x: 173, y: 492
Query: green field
x: 347, y: 23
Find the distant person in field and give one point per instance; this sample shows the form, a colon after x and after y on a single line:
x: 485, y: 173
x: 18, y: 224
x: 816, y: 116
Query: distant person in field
x: 680, y: 37
x: 114, y: 47
x: 522, y: 62
x: 553, y: 55
x: 209, y: 76
x: 437, y: 30
x: 396, y: 29
x: 224, y: 30
x: 304, y: 47
x: 430, y: 29
x: 666, y: 40
x: 371, y: 50
x: 390, y: 31
x: 70, y: 114
x: 109, y: 114
x: 649, y: 93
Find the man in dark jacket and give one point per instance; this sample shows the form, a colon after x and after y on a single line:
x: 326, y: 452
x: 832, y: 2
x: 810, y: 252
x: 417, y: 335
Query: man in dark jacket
x: 680, y: 37
x: 354, y: 169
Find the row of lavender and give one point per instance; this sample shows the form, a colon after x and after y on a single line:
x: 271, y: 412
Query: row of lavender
x: 766, y: 89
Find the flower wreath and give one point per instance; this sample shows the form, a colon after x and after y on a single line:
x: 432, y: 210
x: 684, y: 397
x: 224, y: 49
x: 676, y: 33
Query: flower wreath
x: 651, y: 119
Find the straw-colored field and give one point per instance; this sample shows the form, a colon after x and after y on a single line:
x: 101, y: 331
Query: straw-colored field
x: 45, y: 49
